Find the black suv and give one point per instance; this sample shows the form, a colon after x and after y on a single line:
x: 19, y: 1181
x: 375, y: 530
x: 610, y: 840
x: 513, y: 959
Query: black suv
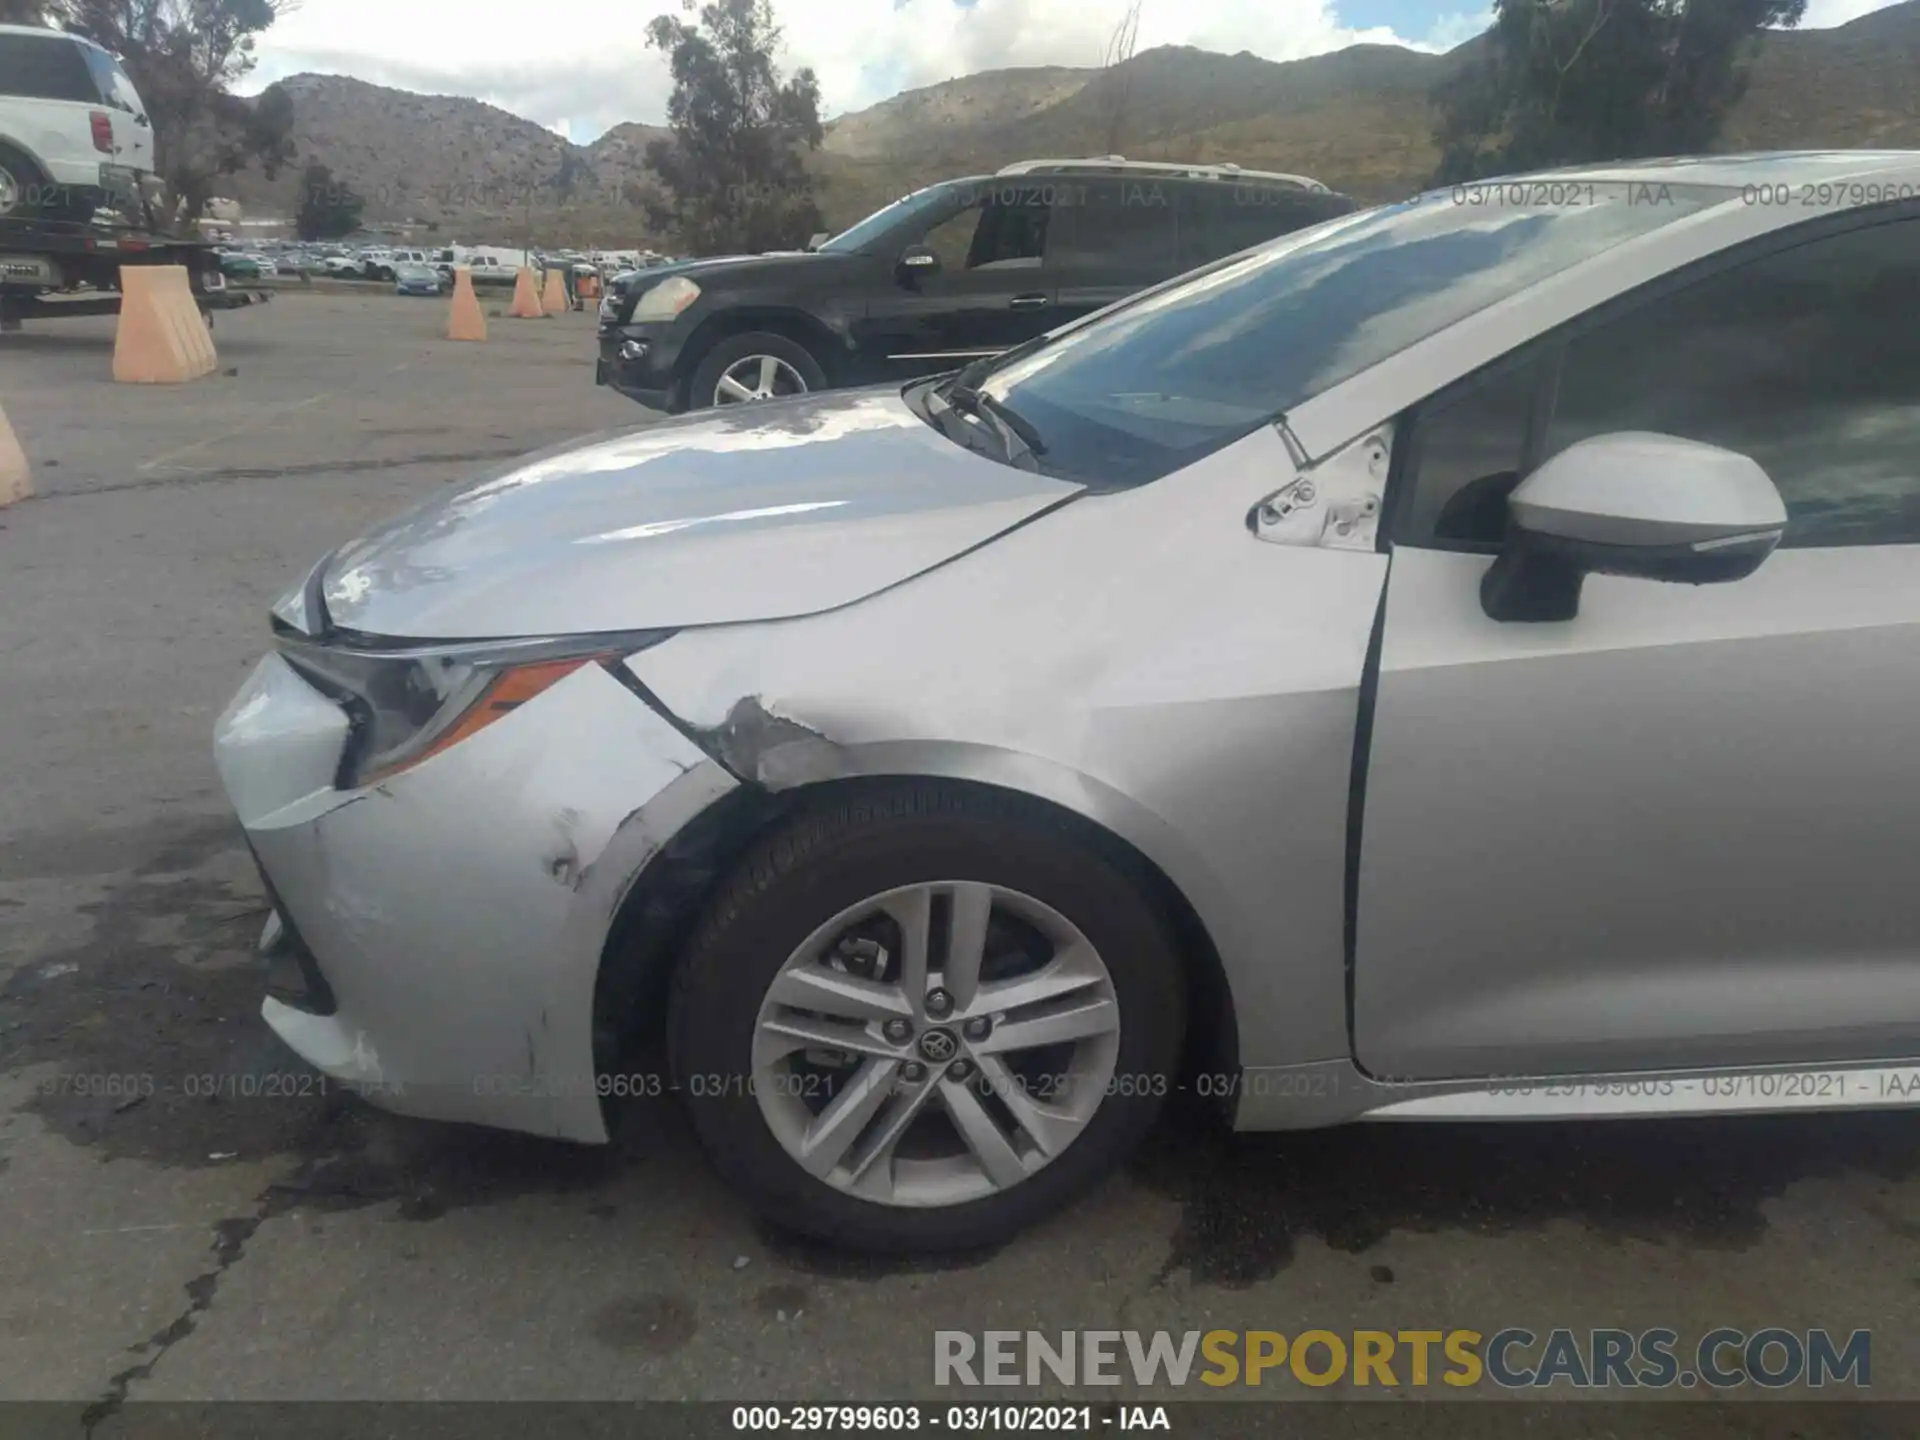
x: 960, y: 270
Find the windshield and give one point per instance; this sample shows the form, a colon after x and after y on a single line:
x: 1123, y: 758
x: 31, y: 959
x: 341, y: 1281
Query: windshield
x: 1188, y: 367
x: 925, y: 203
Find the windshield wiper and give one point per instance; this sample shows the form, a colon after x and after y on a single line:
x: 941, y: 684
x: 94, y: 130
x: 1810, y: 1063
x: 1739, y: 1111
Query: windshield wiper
x: 964, y: 427
x: 1012, y: 425
x: 973, y: 372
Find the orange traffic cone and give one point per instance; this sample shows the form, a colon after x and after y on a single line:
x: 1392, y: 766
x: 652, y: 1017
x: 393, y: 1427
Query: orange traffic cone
x: 16, y: 481
x: 465, y: 322
x: 553, y: 299
x: 526, y: 299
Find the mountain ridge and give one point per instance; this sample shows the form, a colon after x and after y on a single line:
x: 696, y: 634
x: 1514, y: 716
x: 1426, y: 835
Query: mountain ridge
x: 1359, y: 119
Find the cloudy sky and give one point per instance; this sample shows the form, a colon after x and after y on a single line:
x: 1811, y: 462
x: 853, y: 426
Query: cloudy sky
x: 580, y: 66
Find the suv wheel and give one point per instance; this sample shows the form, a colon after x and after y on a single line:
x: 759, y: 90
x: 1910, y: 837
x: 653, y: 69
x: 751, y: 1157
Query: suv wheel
x: 24, y: 192
x: 756, y: 366
x: 922, y: 1018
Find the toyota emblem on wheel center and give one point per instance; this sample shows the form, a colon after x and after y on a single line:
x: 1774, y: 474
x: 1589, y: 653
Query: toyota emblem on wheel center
x: 939, y: 1046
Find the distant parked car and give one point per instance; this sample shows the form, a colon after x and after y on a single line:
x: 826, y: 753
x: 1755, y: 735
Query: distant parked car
x: 244, y: 267
x: 416, y: 280
x: 953, y: 273
x: 399, y: 258
x: 499, y: 267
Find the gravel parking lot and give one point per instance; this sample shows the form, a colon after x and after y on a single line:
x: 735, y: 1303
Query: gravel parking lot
x: 212, y: 1224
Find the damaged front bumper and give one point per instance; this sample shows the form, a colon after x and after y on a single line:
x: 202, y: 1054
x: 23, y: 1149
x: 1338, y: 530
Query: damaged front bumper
x: 456, y: 914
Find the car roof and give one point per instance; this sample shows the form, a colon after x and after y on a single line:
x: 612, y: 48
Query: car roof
x: 1760, y: 167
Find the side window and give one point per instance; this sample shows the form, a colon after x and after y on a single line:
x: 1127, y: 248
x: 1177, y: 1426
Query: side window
x: 1469, y: 450
x: 1808, y: 360
x: 1114, y: 224
x: 1011, y: 236
x: 952, y: 239
x: 1228, y: 218
x: 46, y: 67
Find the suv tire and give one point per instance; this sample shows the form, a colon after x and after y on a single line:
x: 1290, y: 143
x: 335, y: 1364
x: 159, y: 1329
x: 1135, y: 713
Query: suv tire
x: 833, y: 861
x: 790, y: 366
x: 25, y: 193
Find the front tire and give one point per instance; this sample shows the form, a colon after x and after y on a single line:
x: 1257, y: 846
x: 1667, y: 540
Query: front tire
x: 922, y: 1017
x: 756, y: 366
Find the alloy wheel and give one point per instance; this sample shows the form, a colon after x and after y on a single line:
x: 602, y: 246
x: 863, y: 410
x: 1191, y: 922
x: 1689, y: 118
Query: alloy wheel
x: 757, y: 377
x: 936, y: 1044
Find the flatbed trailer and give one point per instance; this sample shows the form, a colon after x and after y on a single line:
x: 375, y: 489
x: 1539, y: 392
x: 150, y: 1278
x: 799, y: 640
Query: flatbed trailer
x: 15, y: 307
x: 54, y: 270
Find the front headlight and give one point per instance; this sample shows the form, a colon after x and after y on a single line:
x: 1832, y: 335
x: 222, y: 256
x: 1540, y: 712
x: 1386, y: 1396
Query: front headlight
x: 408, y: 705
x: 666, y: 300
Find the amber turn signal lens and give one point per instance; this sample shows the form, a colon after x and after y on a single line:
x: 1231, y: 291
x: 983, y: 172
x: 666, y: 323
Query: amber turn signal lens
x: 507, y: 691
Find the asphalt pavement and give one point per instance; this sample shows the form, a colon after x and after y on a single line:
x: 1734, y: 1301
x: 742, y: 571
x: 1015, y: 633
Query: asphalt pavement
x: 185, y: 1214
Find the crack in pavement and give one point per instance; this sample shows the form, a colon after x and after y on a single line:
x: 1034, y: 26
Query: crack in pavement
x: 229, y: 1245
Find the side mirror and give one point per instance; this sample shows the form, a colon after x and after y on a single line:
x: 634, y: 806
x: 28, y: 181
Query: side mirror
x: 916, y: 261
x: 817, y: 239
x: 1652, y: 507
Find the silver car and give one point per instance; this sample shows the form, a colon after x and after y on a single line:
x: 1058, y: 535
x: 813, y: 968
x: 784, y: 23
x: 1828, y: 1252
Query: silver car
x: 1458, y: 662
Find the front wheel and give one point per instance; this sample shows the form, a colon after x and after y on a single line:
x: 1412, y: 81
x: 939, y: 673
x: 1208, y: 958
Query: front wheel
x: 756, y: 366
x: 923, y: 1018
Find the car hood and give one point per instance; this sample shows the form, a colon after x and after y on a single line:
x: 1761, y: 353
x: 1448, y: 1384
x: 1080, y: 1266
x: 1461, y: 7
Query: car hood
x: 750, y: 513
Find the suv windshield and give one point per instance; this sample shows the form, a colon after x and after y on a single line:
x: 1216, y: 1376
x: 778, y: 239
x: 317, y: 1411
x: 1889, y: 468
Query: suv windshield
x: 927, y: 202
x: 1185, y: 368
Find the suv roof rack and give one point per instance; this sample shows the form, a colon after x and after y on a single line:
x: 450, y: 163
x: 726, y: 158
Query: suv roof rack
x: 1120, y: 164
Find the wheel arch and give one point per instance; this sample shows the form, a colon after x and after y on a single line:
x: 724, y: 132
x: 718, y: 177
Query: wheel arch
x: 805, y: 330
x: 25, y: 151
x: 42, y: 176
x: 667, y: 898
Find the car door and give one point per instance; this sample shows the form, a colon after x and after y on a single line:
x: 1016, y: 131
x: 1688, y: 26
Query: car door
x: 987, y: 292
x: 1114, y: 236
x: 1677, y: 830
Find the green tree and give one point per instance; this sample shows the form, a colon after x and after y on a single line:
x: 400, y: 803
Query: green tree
x: 185, y: 56
x: 329, y: 208
x: 732, y: 177
x: 1558, y: 82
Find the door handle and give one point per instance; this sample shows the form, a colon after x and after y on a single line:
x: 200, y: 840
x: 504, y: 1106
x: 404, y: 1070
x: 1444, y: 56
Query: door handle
x: 1027, y: 302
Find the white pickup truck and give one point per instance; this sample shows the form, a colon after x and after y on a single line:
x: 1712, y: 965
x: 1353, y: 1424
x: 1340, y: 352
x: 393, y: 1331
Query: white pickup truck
x: 75, y: 140
x: 492, y: 264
